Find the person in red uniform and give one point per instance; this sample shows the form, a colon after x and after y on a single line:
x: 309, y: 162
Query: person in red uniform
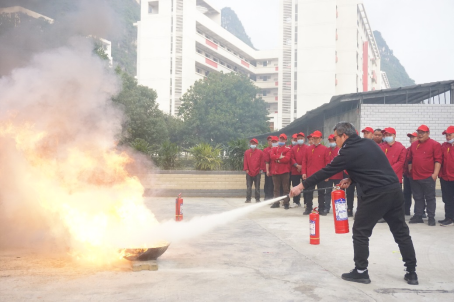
x: 395, y: 153
x: 368, y: 132
x: 407, y: 176
x: 378, y: 136
x: 447, y: 176
x: 253, y: 165
x: 316, y: 159
x: 424, y: 163
x: 280, y: 155
x: 332, y: 152
x: 310, y: 141
x: 294, y: 140
x: 296, y: 160
x: 268, y: 188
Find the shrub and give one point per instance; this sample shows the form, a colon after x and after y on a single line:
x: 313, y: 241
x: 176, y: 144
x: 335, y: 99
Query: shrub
x: 206, y: 157
x: 168, y: 155
x: 141, y: 145
x: 234, y: 154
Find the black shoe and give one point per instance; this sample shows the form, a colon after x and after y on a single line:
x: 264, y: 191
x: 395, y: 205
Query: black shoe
x: 275, y: 205
x: 355, y: 276
x: 307, y: 211
x: 327, y: 211
x: 424, y: 216
x: 350, y: 212
x: 323, y: 213
x: 447, y: 222
x: 286, y: 206
x: 411, y: 278
x: 431, y: 221
x: 416, y: 219
x: 441, y: 221
x: 381, y: 221
x: 247, y: 201
x: 257, y: 201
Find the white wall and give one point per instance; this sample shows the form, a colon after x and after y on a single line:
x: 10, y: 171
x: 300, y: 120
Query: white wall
x: 406, y: 118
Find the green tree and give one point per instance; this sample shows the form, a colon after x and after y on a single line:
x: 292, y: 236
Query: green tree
x: 143, y: 118
x: 223, y: 107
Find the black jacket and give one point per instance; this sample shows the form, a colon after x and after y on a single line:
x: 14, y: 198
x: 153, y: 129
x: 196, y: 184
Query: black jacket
x: 365, y: 163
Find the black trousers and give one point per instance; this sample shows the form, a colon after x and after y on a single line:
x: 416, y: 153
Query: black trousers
x: 256, y: 181
x: 447, y: 193
x: 407, y: 194
x: 351, y: 195
x: 309, y: 196
x: 330, y: 183
x: 296, y: 179
x: 268, y: 187
x: 389, y: 205
x: 424, y: 195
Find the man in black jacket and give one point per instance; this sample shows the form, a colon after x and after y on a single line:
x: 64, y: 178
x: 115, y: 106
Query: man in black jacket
x: 382, y: 197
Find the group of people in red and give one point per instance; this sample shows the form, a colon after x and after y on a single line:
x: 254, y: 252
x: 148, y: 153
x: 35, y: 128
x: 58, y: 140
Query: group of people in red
x: 417, y: 168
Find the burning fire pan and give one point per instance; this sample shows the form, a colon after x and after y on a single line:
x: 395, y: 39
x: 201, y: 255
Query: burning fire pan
x: 144, y: 254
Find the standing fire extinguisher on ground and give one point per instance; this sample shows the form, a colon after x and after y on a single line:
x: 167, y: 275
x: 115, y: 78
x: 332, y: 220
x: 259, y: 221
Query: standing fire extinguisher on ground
x: 314, y: 227
x: 179, y: 208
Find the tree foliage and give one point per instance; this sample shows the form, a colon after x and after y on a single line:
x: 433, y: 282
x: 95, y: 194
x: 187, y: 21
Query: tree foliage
x: 143, y: 118
x: 234, y: 154
x: 223, y: 107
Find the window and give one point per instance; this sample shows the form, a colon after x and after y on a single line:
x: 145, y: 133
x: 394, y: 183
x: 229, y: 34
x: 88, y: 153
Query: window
x: 264, y: 93
x: 264, y: 78
x: 199, y: 51
x: 265, y: 63
x: 153, y: 7
x: 199, y: 71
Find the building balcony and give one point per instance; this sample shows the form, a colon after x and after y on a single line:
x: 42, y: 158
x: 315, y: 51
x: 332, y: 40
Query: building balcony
x: 269, y: 98
x: 266, y: 84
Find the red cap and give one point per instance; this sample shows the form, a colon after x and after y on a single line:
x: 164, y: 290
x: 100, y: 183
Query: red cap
x: 294, y: 136
x: 274, y: 138
x: 449, y: 130
x: 368, y: 129
x: 424, y: 128
x: 283, y: 136
x: 317, y: 134
x: 310, y: 136
x: 269, y: 137
x: 254, y: 140
x: 301, y: 134
x: 389, y: 130
x: 415, y: 134
x: 331, y: 137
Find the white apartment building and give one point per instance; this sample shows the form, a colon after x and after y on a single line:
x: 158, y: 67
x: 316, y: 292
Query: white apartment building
x: 180, y: 42
x: 327, y: 49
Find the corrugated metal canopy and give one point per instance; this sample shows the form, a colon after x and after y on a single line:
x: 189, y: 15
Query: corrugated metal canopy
x: 402, y: 95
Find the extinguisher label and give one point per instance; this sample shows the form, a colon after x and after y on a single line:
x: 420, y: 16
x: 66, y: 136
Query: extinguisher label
x: 341, y: 209
x: 312, y: 227
x: 181, y: 209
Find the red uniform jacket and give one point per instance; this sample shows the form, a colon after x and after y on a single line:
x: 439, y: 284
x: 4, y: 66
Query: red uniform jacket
x: 316, y: 159
x: 280, y: 166
x: 298, y: 154
x: 447, y: 167
x: 331, y: 154
x: 253, y: 161
x: 396, y: 155
x: 266, y: 158
x: 406, y: 171
x: 423, y: 156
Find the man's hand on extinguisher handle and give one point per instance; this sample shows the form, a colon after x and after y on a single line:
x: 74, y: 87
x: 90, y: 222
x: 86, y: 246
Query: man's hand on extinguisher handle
x: 295, y: 191
x: 344, y: 183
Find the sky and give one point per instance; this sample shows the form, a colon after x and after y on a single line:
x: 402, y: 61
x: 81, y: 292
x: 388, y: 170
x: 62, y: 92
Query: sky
x: 420, y: 32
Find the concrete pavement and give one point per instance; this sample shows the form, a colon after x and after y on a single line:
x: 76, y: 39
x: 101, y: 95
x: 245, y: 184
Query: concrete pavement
x: 264, y: 256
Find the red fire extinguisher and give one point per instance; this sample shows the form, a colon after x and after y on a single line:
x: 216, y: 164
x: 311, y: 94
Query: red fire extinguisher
x: 314, y: 227
x: 179, y: 208
x: 339, y: 211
